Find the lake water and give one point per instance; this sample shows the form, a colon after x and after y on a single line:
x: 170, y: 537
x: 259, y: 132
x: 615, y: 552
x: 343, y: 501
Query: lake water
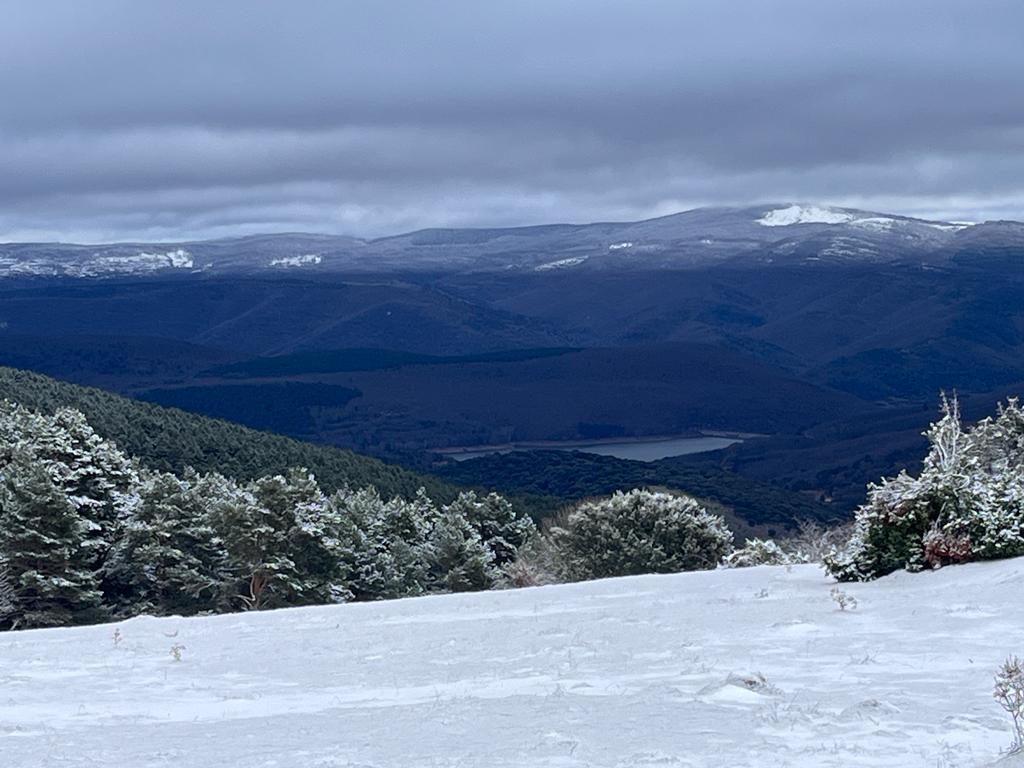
x: 636, y: 450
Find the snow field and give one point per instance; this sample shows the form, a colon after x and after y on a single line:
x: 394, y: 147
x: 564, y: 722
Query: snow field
x: 751, y: 667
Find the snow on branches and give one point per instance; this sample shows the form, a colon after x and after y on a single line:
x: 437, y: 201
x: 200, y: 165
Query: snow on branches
x: 966, y: 504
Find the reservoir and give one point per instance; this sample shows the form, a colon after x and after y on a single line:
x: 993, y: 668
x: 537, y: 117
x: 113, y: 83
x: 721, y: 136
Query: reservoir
x: 637, y: 450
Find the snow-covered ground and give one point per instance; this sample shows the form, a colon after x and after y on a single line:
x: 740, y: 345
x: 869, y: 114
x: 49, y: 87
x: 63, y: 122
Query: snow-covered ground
x: 647, y: 671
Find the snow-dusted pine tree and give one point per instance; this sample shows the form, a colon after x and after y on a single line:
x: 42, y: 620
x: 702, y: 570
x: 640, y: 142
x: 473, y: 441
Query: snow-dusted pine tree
x: 7, y: 596
x: 457, y: 558
x: 43, y: 547
x: 494, y: 518
x: 96, y: 477
x: 168, y: 558
x: 381, y: 545
x: 273, y: 531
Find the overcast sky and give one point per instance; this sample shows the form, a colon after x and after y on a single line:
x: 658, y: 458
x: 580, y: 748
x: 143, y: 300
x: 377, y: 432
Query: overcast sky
x: 177, y: 119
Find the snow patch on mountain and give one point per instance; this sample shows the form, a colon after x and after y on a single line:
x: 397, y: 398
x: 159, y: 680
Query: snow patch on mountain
x: 297, y: 261
x: 875, y: 223
x: 179, y: 259
x: 952, y: 226
x: 804, y: 214
x: 561, y: 263
x: 133, y: 264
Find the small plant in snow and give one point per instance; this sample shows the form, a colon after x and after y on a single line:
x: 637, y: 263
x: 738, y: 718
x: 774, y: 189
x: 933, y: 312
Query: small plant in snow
x: 117, y: 638
x: 176, y: 650
x: 845, y: 601
x: 1009, y: 693
x: 757, y: 552
x: 756, y: 682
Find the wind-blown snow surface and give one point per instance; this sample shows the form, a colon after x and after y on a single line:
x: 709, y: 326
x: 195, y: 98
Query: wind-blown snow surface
x: 645, y: 671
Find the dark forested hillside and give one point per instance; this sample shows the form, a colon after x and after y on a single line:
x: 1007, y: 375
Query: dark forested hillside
x: 570, y: 476
x: 540, y: 483
x: 170, y: 440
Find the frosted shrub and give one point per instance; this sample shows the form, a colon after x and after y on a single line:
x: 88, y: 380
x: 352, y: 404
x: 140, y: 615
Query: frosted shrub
x: 1009, y: 693
x: 640, y: 532
x: 966, y: 504
x: 537, y: 563
x: 812, y: 542
x: 843, y: 600
x: 757, y: 552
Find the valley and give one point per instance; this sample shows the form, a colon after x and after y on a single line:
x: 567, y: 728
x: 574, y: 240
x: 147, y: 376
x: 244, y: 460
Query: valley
x: 833, y: 331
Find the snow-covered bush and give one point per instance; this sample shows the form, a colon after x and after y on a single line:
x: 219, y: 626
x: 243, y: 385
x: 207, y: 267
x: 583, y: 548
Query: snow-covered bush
x: 537, y: 563
x: 757, y: 552
x: 812, y: 542
x: 1009, y: 693
x: 640, y: 532
x: 844, y: 600
x: 966, y: 504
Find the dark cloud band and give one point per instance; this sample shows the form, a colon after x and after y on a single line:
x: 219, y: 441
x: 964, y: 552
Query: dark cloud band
x: 141, y: 120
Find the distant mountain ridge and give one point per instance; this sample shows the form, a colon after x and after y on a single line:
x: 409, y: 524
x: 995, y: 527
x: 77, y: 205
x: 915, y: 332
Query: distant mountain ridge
x: 793, y: 317
x: 782, y: 233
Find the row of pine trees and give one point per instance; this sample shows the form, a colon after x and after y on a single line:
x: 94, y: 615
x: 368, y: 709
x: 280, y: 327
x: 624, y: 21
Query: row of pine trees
x: 87, y: 533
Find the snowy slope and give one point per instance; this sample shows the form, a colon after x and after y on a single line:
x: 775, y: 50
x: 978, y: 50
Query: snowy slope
x: 645, y: 671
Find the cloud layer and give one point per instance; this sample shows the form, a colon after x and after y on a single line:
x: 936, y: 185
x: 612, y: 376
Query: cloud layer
x: 127, y: 120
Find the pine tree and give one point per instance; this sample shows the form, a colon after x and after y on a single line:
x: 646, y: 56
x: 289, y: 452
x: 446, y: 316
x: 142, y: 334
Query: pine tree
x: 382, y: 546
x: 500, y: 527
x: 168, y: 559
x: 42, y: 544
x: 7, y: 596
x: 458, y: 560
x: 273, y: 531
x: 91, y: 471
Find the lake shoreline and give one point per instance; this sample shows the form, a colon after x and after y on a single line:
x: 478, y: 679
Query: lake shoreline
x: 689, y: 443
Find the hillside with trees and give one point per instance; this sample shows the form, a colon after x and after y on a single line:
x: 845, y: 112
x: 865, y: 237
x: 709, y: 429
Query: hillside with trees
x: 172, y: 440
x: 89, y: 533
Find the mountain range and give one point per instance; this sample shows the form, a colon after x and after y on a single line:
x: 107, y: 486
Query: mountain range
x: 783, y: 233
x: 831, y: 331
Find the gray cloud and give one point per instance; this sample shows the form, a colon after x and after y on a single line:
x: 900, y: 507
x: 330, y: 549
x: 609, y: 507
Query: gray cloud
x: 189, y: 119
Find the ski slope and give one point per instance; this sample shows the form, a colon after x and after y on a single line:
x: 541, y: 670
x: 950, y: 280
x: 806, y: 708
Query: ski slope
x: 658, y: 671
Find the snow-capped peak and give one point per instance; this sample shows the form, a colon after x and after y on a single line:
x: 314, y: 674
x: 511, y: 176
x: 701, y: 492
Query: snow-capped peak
x: 805, y: 214
x: 297, y: 261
